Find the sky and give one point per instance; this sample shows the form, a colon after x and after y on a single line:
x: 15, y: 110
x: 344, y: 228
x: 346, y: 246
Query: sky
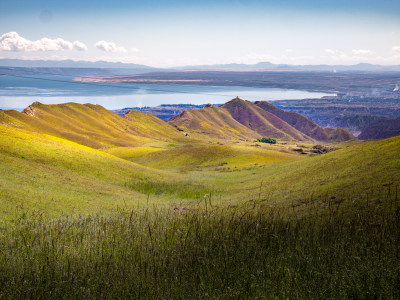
x: 167, y: 33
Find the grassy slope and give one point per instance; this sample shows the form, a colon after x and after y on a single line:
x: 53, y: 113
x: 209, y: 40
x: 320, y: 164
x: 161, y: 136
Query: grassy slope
x: 212, y: 122
x: 59, y: 175
x: 220, y: 157
x: 91, y: 125
x: 263, y: 122
x: 348, y: 173
x: 151, y: 126
x: 205, y: 252
x: 211, y: 251
x: 54, y: 176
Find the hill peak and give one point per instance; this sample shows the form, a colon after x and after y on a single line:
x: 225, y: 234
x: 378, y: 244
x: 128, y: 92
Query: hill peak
x: 36, y: 103
x: 237, y: 102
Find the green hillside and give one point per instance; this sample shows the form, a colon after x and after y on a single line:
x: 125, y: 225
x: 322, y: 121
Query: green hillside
x: 79, y: 178
x: 235, y: 170
x: 89, y: 210
x: 91, y: 125
x: 189, y: 157
x: 51, y: 176
x: 349, y: 174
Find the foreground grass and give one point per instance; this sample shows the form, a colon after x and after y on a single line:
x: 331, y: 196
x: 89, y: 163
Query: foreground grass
x: 206, y: 253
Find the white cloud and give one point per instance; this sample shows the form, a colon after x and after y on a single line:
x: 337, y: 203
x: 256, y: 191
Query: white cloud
x: 134, y: 49
x: 12, y: 41
x: 80, y: 46
x: 361, y: 52
x: 109, y: 47
x: 396, y: 48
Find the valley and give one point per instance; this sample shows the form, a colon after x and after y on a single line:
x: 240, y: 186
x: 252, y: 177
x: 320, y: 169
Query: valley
x: 86, y: 192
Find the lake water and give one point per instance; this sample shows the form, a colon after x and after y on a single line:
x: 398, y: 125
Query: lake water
x: 18, y: 93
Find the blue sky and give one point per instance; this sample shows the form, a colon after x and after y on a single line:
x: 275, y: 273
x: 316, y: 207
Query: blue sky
x: 173, y: 33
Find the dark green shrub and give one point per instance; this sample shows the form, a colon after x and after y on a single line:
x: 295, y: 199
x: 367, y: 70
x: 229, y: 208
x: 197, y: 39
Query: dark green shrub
x: 266, y: 140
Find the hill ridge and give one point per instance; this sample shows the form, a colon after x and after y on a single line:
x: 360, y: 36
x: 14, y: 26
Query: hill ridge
x: 243, y: 119
x: 212, y: 121
x: 262, y: 122
x: 91, y: 125
x: 306, y: 125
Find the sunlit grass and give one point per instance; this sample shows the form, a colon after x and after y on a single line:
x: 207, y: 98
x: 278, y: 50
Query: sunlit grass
x: 220, y: 221
x: 92, y: 125
x: 244, y: 252
x: 203, y: 156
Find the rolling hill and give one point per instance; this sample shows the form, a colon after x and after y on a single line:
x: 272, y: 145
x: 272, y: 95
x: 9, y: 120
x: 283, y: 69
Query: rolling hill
x: 246, y: 120
x: 212, y: 122
x: 262, y: 122
x: 349, y: 175
x: 53, y: 176
x: 91, y: 125
x: 81, y: 222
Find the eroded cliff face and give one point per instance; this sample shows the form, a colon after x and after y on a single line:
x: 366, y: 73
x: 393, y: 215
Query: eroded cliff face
x: 30, y: 111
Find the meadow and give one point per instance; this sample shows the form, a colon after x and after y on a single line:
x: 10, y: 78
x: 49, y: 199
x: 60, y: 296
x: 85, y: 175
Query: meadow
x: 205, y: 253
x: 181, y: 218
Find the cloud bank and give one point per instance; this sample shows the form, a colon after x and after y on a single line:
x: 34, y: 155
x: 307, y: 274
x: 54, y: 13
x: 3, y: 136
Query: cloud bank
x: 361, y: 52
x: 12, y: 41
x: 109, y: 47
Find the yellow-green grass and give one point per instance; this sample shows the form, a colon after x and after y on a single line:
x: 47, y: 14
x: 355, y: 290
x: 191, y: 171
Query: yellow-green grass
x: 219, y: 157
x: 91, y: 125
x: 77, y: 222
x: 130, y: 153
x: 153, y: 127
x: 37, y: 168
x: 355, y: 173
x: 53, y: 176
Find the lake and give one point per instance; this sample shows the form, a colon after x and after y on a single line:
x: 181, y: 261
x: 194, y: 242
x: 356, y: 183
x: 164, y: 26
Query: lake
x: 18, y: 93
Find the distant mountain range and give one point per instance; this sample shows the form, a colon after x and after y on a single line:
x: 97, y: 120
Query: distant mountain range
x: 72, y: 68
x: 129, y: 68
x: 285, y: 67
x: 68, y: 64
